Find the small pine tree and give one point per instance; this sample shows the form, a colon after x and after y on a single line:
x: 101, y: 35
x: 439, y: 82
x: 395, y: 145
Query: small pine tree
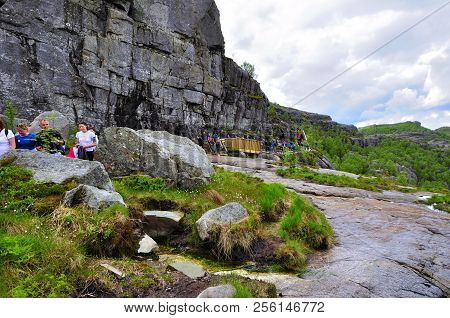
x: 10, y: 112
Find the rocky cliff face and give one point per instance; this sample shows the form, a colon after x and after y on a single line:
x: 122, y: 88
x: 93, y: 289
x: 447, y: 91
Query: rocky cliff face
x: 144, y: 64
x: 136, y: 63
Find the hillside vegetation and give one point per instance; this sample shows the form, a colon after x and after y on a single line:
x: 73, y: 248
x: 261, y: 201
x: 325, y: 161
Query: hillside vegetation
x: 431, y: 165
x: 393, y: 128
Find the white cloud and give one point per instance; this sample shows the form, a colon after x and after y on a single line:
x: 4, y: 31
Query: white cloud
x: 299, y: 45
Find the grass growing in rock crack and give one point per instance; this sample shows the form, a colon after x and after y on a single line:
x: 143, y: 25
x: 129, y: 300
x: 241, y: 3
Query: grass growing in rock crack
x: 304, y: 229
x: 366, y: 183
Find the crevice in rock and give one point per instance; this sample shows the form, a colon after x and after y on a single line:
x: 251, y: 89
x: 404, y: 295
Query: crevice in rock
x: 423, y: 274
x: 2, y: 2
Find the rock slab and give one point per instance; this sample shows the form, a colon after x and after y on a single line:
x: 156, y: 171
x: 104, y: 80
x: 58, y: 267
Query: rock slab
x: 189, y: 269
x: 221, y: 291
x: 232, y: 213
x: 58, y: 169
x: 94, y: 198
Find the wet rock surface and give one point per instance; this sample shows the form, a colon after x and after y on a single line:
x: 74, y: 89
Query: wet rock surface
x: 386, y: 246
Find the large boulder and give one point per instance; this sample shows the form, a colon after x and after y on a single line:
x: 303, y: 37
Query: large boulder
x: 16, y: 121
x: 56, y: 121
x: 58, y: 169
x: 92, y: 197
x: 232, y: 213
x: 125, y: 151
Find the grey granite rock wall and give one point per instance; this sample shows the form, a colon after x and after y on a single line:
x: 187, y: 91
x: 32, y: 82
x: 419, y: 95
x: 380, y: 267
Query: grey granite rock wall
x: 143, y: 64
x: 138, y: 63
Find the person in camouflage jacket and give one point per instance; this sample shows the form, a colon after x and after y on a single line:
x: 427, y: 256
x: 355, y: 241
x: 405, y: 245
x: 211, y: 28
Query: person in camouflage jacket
x: 49, y: 140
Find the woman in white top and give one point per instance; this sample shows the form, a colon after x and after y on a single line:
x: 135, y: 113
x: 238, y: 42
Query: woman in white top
x: 7, y: 139
x: 87, y: 141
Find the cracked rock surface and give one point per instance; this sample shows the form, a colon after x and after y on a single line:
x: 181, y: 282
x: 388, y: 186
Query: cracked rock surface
x: 385, y: 245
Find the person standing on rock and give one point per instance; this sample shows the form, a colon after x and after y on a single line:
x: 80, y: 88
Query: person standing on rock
x: 7, y: 139
x: 25, y: 140
x: 49, y: 140
x: 87, y: 141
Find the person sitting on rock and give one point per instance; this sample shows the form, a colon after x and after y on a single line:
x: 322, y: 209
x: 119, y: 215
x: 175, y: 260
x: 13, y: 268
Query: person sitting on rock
x: 7, y: 140
x: 25, y: 140
x: 49, y: 140
x: 87, y: 141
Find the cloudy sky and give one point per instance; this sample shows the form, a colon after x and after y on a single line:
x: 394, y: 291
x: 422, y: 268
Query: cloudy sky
x: 297, y: 46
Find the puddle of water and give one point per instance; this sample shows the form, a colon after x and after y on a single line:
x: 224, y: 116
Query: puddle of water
x: 424, y: 197
x: 432, y: 208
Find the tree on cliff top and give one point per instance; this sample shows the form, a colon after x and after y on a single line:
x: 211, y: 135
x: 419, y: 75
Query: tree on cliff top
x: 250, y: 69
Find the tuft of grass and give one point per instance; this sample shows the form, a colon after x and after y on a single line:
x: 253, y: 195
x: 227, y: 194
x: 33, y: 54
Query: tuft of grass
x: 292, y: 256
x: 213, y: 196
x: 232, y: 239
x: 241, y: 291
x: 271, y: 202
x: 306, y: 224
x: 245, y: 287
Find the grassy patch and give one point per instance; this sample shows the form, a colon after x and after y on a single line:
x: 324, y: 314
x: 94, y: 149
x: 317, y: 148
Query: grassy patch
x: 44, y: 248
x: 47, y: 250
x: 246, y: 288
x: 372, y: 184
x: 440, y: 202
